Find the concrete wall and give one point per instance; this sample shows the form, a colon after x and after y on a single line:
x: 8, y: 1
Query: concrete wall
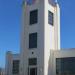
x: 39, y: 28
x: 9, y: 62
x: 52, y: 35
x: 48, y: 36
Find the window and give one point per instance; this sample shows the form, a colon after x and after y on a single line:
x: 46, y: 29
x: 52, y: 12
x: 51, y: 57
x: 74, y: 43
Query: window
x: 33, y: 61
x: 65, y: 66
x: 50, y: 18
x: 15, y: 69
x: 33, y: 40
x: 33, y: 17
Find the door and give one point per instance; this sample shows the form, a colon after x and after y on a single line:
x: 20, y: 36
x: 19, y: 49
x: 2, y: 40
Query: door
x: 33, y: 71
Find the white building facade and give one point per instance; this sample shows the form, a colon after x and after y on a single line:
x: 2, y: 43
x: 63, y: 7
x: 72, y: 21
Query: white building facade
x: 40, y: 34
x: 12, y: 64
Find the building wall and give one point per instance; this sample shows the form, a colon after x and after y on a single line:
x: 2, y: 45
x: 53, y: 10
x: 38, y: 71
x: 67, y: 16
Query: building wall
x: 48, y: 36
x: 52, y: 35
x: 9, y: 62
x: 61, y: 54
x: 39, y: 28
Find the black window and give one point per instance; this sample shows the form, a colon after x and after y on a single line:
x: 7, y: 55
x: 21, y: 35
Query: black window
x: 33, y: 61
x: 65, y: 66
x: 33, y: 17
x: 15, y: 69
x: 33, y: 40
x: 50, y: 17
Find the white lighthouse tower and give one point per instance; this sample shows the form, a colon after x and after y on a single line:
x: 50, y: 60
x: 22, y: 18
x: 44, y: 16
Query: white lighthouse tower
x: 40, y: 34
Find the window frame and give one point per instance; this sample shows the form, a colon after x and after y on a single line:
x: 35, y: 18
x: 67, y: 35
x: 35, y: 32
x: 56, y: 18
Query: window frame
x: 15, y: 69
x: 33, y: 17
x: 33, y: 43
x: 50, y: 18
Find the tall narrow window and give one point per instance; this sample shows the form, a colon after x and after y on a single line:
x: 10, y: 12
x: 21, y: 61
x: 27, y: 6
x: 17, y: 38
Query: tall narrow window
x: 15, y: 69
x: 33, y: 17
x: 33, y: 40
x: 50, y: 18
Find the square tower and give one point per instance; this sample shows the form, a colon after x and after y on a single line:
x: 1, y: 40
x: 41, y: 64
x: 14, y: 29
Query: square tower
x: 40, y: 34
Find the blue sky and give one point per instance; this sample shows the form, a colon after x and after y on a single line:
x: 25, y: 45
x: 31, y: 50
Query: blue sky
x: 10, y: 24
